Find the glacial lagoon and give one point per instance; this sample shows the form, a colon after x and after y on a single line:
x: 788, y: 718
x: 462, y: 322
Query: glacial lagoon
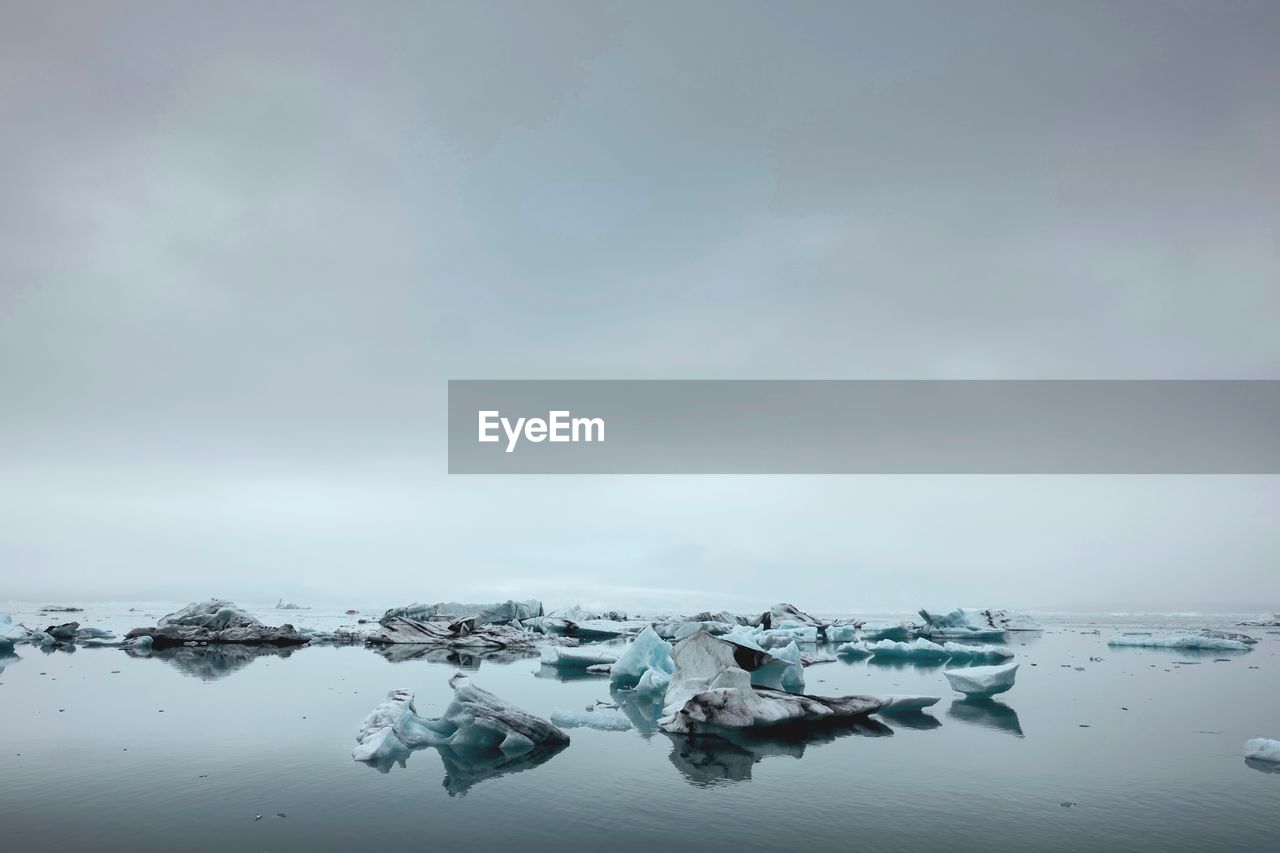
x: 236, y: 747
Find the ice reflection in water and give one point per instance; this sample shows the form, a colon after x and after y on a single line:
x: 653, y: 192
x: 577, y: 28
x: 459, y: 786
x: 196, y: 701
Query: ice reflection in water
x: 988, y: 713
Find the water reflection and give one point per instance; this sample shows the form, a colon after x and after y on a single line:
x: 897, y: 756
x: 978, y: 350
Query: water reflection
x: 466, y: 768
x: 468, y: 659
x: 1262, y: 766
x: 988, y: 713
x: 211, y: 663
x: 914, y: 719
x: 906, y: 663
x: 557, y: 673
x: 729, y: 757
x: 642, y: 709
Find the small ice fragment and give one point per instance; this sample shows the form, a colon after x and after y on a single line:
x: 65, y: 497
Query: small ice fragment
x: 982, y: 680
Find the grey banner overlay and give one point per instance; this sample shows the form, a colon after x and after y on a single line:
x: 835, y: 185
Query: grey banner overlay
x: 875, y: 427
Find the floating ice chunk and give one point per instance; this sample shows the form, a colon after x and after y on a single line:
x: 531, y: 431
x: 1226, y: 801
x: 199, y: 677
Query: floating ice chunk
x: 959, y: 624
x: 457, y: 635
x: 792, y: 678
x: 214, y: 614
x: 483, y: 614
x: 65, y: 631
x: 475, y: 719
x: 604, y: 719
x: 653, y: 682
x: 982, y: 681
x: 920, y: 650
x: 281, y: 604
x: 899, y: 631
x: 606, y: 629
x: 1262, y: 749
x: 10, y: 634
x: 841, y: 633
x: 1178, y: 641
x: 783, y: 615
x: 94, y: 634
x: 960, y: 652
x: 1010, y: 621
x: 772, y: 637
x: 580, y: 657
x: 648, y: 652
x: 906, y: 704
x: 855, y: 650
x: 1247, y: 639
x: 1272, y: 621
x: 712, y: 688
x: 139, y: 644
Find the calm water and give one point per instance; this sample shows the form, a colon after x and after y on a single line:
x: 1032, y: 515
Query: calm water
x: 183, y: 750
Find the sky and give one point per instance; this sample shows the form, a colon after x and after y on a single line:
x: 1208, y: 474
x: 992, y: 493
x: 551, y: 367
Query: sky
x: 243, y: 247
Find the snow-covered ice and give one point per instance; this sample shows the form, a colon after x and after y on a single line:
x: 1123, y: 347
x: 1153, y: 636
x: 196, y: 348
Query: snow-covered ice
x: 982, y: 681
x: 906, y: 704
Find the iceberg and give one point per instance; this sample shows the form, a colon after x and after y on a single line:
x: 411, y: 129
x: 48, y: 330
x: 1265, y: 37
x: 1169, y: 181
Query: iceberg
x: 580, y: 657
x: 475, y: 720
x: 982, y: 681
x: 216, y: 621
x: 10, y: 634
x: 784, y: 616
x: 94, y: 634
x: 841, y: 633
x: 648, y: 653
x: 959, y: 624
x: 1178, y: 641
x: 483, y: 614
x: 712, y: 689
x: 1272, y: 621
x: 1262, y: 749
x: 854, y: 650
x: 920, y: 650
x: 457, y: 635
x: 65, y: 631
x: 960, y: 652
x: 900, y: 631
x: 1239, y: 637
x: 281, y: 604
x: 606, y: 720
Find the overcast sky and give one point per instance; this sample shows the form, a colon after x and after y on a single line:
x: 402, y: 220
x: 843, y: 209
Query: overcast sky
x: 244, y: 245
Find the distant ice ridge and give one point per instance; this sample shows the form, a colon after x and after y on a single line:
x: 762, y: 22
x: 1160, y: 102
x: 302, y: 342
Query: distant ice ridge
x: 982, y: 681
x: 475, y: 719
x: 924, y: 651
x: 1262, y: 749
x: 1272, y: 621
x: 1179, y: 641
x: 961, y: 624
x: 500, y: 613
x: 281, y: 604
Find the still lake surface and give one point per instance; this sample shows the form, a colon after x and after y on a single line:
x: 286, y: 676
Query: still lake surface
x: 101, y: 750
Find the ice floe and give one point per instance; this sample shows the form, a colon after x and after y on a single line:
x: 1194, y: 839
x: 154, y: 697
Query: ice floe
x: 580, y: 657
x: 475, y: 719
x: 1200, y: 641
x: 1262, y: 749
x: 1272, y: 621
x: 604, y: 719
x: 982, y: 681
x: 961, y: 652
x: 900, y: 631
x: 281, y: 604
x: 906, y: 704
x: 855, y: 650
